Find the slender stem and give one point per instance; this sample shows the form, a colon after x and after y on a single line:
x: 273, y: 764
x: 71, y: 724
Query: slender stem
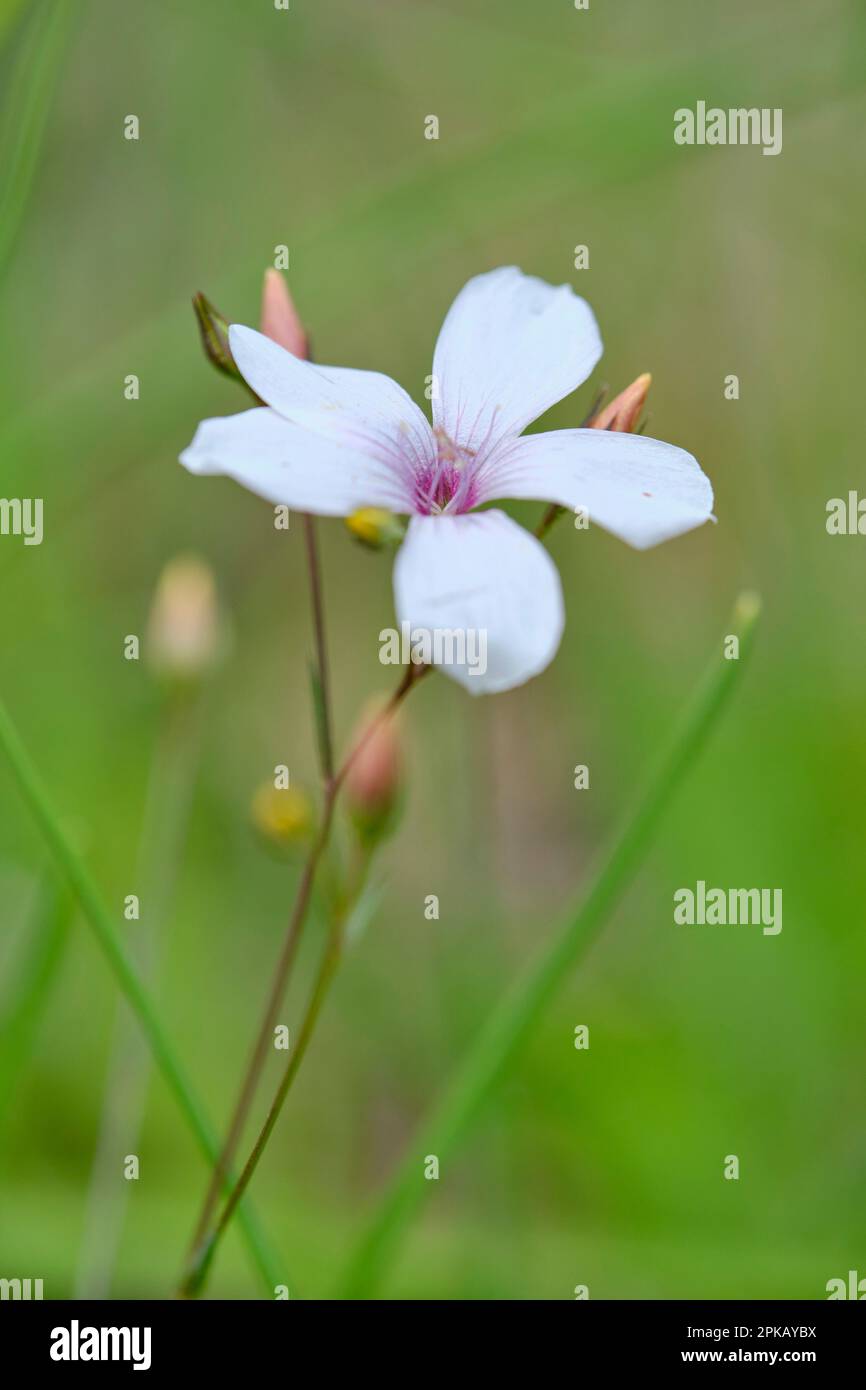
x: 411, y: 677
x: 281, y: 975
x: 509, y: 1027
x: 102, y: 924
x: 553, y: 513
x: 291, y: 940
x: 294, y: 930
x: 323, y: 693
x: 203, y: 1256
x: 204, y: 1246
x: 268, y: 1023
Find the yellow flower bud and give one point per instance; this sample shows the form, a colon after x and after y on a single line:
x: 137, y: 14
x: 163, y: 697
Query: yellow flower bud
x: 283, y: 817
x: 375, y: 528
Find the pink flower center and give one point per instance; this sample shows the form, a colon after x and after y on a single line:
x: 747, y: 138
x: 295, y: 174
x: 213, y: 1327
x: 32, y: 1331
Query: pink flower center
x: 446, y: 484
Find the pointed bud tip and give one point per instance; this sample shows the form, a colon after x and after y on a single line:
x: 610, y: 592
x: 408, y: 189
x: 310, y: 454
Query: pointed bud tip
x: 214, y: 330
x: 375, y: 776
x: 279, y: 319
x: 624, y: 410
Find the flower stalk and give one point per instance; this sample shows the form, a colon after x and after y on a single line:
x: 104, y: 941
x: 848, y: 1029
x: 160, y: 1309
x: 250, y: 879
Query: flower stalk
x: 204, y: 1254
x: 205, y: 1243
x: 280, y: 321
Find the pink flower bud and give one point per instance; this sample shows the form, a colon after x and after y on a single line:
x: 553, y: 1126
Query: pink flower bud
x: 280, y: 319
x: 624, y: 410
x: 374, y: 779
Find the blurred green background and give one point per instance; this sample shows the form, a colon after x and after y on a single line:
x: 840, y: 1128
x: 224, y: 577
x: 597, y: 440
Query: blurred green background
x: 259, y: 128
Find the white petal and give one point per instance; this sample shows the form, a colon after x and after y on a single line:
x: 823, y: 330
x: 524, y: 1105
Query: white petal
x: 480, y: 575
x: 511, y: 346
x: 642, y: 490
x: 287, y: 464
x: 367, y: 410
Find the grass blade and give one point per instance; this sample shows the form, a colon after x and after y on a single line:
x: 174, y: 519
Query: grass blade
x: 30, y: 993
x: 137, y: 996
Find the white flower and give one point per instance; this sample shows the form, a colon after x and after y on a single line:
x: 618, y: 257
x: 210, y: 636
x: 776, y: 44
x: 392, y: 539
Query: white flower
x: 331, y: 440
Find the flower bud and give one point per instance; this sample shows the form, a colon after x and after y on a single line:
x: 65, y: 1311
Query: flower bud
x: 374, y: 779
x: 623, y: 413
x: 283, y: 817
x: 214, y: 331
x: 279, y: 318
x: 375, y: 528
x: 185, y: 637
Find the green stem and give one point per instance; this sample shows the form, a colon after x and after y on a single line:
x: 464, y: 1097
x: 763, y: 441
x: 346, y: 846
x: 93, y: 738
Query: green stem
x: 512, y: 1022
x: 331, y: 956
x: 200, y: 1244
x: 203, y: 1257
x: 220, y: 1177
x: 321, y: 680
x: 102, y: 924
x: 297, y: 921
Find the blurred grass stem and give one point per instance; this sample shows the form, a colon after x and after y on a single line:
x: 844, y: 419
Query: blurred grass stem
x: 170, y: 785
x: 25, y: 114
x: 30, y: 990
x: 102, y: 924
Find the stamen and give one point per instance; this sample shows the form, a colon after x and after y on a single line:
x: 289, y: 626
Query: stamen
x: 446, y: 484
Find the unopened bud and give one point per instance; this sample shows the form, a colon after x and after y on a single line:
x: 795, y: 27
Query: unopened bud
x: 374, y: 779
x: 214, y: 331
x: 280, y: 319
x: 624, y: 411
x: 375, y: 527
x: 185, y: 636
x: 284, y: 817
